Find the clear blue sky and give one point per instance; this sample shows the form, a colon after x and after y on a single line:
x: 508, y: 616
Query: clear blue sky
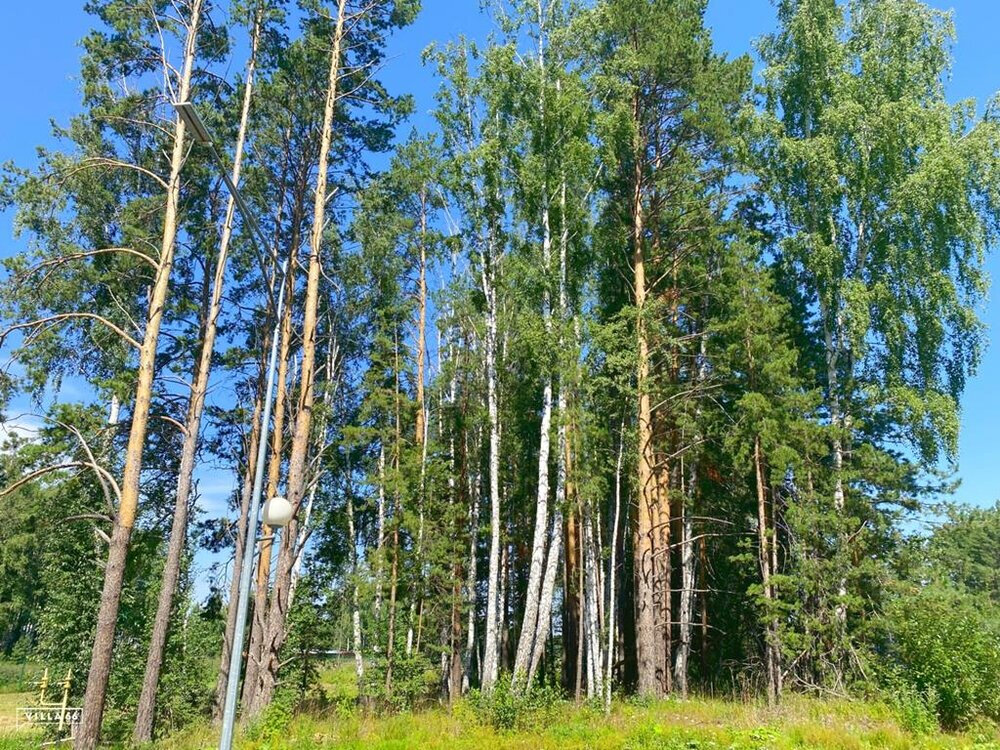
x: 40, y: 61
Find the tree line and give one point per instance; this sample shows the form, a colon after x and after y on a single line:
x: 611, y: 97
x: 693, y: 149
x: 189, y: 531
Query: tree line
x: 631, y: 374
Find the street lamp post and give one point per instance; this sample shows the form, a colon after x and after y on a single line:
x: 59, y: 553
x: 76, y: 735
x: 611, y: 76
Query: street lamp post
x: 276, y: 513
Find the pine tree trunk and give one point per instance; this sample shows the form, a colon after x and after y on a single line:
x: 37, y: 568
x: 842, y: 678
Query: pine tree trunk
x: 275, y: 629
x: 649, y: 638
x: 114, y: 574
x: 253, y: 658
x: 241, y: 534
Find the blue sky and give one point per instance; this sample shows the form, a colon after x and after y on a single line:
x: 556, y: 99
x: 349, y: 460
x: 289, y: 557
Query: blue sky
x: 40, y: 62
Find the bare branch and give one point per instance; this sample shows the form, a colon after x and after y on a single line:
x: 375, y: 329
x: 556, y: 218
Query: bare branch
x: 104, y: 161
x: 69, y: 316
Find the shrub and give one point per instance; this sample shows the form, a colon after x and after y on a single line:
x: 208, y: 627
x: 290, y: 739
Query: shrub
x: 916, y: 711
x: 274, y: 720
x: 414, y: 683
x: 940, y: 649
x: 506, y: 709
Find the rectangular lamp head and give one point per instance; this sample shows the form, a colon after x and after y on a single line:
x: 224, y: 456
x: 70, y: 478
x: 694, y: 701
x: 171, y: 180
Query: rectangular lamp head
x: 193, y: 123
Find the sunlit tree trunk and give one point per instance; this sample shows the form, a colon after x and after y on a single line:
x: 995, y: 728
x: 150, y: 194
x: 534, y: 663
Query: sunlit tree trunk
x: 491, y: 654
x: 359, y: 663
x: 764, y: 541
x: 275, y: 629
x: 114, y: 572
x: 261, y: 585
x: 241, y: 534
x: 529, y: 620
x: 613, y: 573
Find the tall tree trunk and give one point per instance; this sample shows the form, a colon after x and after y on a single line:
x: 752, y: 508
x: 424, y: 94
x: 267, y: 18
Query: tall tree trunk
x: 471, y: 575
x: 686, y: 609
x: 553, y: 554
x: 241, y: 533
x: 420, y: 428
x: 491, y: 655
x: 275, y: 630
x: 397, y: 511
x: 832, y: 343
x: 114, y: 572
x: 380, y: 541
x: 529, y: 621
x: 613, y: 572
x: 591, y: 604
x: 764, y: 558
x: 571, y: 582
x: 649, y: 639
x: 687, y: 508
x: 253, y: 658
x: 703, y: 576
x: 359, y: 662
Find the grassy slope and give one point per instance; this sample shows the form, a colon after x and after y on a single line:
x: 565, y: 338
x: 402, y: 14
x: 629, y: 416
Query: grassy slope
x: 669, y: 725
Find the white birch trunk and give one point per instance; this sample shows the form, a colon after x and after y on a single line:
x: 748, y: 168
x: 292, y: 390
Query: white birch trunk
x: 591, y: 606
x: 380, y: 541
x: 613, y: 572
x: 491, y: 647
x: 359, y: 664
x: 470, y: 581
x: 529, y: 622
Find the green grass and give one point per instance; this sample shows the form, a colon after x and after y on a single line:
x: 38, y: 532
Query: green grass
x: 697, y: 724
x: 17, y: 677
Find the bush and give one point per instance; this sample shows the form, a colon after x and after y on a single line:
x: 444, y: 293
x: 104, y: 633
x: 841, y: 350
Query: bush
x: 414, y: 684
x: 508, y: 710
x: 916, y: 711
x: 274, y: 720
x: 940, y: 648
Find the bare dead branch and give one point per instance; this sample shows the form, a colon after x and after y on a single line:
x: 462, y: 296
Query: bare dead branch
x: 70, y: 316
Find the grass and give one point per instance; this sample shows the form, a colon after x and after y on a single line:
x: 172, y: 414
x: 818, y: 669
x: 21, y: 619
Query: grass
x: 697, y: 724
x: 9, y: 702
x: 17, y: 677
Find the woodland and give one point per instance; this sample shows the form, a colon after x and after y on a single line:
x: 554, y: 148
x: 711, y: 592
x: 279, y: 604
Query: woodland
x: 636, y: 377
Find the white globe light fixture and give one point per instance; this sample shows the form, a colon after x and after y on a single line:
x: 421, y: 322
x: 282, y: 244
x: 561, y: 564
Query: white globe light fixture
x: 277, y: 512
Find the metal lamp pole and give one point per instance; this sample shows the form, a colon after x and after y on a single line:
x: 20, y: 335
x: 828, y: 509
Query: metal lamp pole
x: 201, y: 136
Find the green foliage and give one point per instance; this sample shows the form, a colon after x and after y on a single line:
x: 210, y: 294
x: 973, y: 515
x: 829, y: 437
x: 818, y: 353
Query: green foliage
x: 508, y: 710
x: 943, y: 648
x: 274, y: 720
x: 916, y: 710
x: 414, y: 684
